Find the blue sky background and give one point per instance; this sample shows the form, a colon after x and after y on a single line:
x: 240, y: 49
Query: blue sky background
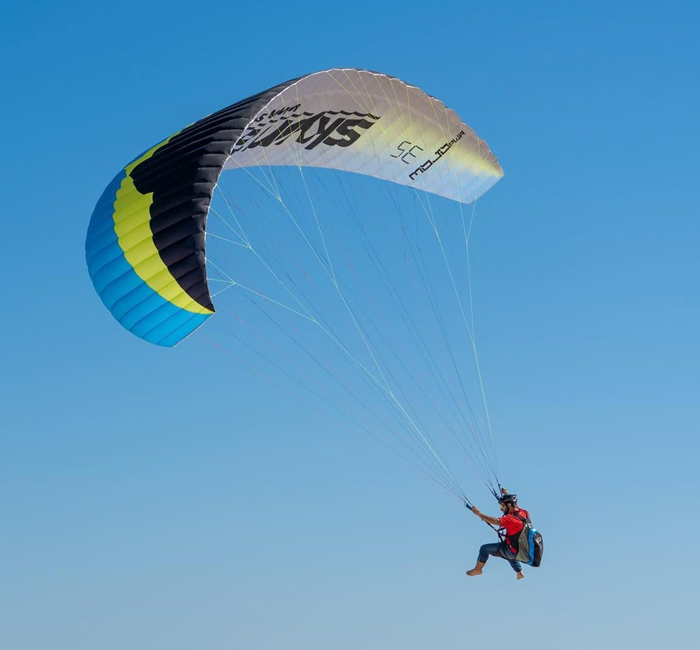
x: 139, y: 512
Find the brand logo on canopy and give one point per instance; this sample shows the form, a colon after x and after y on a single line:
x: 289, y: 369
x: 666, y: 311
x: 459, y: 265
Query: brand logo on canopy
x: 331, y: 128
x: 438, y: 154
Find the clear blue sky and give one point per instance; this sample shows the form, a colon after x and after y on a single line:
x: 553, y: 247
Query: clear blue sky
x: 144, y: 514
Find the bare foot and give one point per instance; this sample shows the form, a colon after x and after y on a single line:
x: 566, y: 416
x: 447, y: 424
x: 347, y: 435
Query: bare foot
x: 520, y: 575
x: 474, y: 572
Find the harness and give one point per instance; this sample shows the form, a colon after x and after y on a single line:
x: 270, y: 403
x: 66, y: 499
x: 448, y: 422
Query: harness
x: 526, y: 545
x: 513, y: 541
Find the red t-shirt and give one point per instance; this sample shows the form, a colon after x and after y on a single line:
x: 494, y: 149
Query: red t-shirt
x: 511, y: 523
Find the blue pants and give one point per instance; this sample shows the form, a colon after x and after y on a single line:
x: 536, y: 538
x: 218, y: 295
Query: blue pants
x: 498, y: 549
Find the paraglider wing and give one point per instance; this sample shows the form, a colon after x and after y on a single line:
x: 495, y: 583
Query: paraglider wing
x: 145, y: 246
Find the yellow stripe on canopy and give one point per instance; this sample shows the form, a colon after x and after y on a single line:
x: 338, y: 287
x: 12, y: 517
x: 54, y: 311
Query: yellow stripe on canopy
x: 132, y: 219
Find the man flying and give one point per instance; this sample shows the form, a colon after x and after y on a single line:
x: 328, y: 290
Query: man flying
x: 512, y: 522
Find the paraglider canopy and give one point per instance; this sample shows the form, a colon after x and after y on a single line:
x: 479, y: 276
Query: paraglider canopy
x: 145, y: 246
